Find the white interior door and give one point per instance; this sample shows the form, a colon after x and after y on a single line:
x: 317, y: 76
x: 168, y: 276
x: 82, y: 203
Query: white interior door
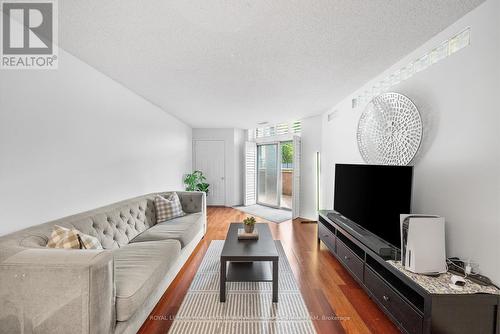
x: 209, y: 157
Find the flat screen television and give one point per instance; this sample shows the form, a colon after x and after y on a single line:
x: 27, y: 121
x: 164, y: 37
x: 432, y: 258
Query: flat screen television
x: 373, y: 197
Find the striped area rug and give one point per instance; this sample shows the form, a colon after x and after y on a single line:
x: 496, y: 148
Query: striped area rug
x: 248, y: 308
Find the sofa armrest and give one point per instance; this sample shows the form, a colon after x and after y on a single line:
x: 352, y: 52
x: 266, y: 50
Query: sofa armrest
x: 57, y: 291
x: 194, y: 202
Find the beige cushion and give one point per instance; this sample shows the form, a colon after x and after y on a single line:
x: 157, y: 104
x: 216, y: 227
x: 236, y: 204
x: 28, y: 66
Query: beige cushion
x: 183, y: 229
x: 71, y: 239
x: 168, y: 207
x: 139, y: 268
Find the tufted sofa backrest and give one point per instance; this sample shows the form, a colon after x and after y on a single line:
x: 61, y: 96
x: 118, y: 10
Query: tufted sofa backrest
x: 114, y: 225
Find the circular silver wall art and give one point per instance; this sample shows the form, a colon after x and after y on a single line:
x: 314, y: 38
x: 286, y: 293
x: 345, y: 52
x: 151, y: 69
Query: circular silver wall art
x: 389, y: 130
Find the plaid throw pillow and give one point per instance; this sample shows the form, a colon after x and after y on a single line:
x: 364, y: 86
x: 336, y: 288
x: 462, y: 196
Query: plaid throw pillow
x: 62, y: 237
x: 88, y: 241
x: 168, y: 207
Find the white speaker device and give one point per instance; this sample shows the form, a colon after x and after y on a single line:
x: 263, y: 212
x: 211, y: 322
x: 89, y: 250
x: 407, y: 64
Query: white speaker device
x: 423, y: 244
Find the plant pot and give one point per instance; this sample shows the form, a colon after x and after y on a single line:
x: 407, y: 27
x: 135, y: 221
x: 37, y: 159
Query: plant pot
x: 249, y: 228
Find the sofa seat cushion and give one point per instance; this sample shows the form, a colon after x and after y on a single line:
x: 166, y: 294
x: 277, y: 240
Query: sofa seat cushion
x: 139, y: 268
x: 183, y: 229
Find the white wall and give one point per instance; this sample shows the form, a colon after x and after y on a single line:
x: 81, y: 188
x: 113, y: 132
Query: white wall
x: 457, y: 173
x: 233, y: 139
x: 310, y: 144
x: 72, y: 139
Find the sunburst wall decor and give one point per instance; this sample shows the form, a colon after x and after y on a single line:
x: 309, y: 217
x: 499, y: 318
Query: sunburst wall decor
x: 389, y: 130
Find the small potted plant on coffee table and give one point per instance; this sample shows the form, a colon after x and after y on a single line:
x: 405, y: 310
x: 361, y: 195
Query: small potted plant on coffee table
x: 249, y: 224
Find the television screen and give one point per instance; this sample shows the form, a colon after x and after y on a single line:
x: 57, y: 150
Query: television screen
x: 374, y: 196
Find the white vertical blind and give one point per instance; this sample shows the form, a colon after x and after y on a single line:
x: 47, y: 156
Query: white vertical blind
x: 250, y: 173
x: 296, y: 178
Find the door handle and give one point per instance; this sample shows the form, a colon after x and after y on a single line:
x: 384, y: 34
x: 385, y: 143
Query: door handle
x: 385, y: 298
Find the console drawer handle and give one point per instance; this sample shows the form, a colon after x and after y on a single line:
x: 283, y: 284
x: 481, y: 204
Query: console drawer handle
x: 385, y: 298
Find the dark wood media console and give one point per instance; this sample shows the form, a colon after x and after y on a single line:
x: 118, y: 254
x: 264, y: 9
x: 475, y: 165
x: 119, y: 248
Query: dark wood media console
x: 411, y: 307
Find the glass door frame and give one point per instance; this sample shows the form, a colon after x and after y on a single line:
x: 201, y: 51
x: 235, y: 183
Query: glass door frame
x: 278, y: 176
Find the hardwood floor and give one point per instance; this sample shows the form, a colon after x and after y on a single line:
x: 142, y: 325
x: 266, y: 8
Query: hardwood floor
x: 337, y: 304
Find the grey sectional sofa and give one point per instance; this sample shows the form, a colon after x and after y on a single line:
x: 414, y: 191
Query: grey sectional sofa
x: 113, y: 290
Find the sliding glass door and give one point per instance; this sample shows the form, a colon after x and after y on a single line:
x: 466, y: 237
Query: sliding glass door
x: 268, y: 169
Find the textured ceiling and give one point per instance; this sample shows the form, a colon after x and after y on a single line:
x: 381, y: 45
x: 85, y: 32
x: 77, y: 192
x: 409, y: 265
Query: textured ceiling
x: 234, y: 63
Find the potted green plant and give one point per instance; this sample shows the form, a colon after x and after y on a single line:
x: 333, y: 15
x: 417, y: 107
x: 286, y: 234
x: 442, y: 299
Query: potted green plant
x: 249, y: 224
x: 195, y: 181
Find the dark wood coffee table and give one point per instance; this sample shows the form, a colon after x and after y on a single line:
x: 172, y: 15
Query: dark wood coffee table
x: 249, y: 260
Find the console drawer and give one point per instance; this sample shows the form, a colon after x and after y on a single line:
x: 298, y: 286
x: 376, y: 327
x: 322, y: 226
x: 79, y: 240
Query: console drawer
x: 351, y: 260
x: 405, y: 315
x: 326, y: 236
